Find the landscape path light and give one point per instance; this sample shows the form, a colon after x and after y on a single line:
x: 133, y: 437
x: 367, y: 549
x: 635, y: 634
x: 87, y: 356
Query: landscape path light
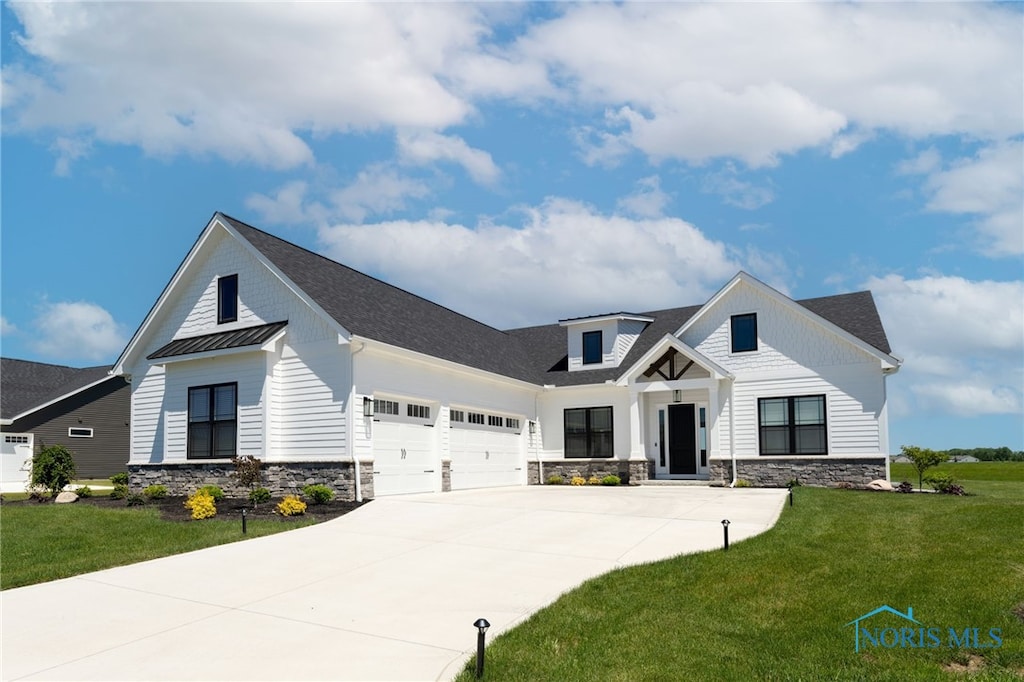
x: 481, y: 626
x: 725, y: 530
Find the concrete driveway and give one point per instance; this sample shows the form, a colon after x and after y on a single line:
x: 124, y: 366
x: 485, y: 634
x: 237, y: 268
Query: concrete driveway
x: 388, y: 592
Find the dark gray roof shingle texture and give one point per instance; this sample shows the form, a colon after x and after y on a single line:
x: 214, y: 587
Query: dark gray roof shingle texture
x: 25, y: 385
x: 237, y: 338
x: 373, y: 309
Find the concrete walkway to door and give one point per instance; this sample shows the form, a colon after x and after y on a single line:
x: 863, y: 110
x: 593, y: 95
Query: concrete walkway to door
x: 388, y: 592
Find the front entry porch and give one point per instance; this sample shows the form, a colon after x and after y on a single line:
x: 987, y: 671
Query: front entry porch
x: 680, y: 442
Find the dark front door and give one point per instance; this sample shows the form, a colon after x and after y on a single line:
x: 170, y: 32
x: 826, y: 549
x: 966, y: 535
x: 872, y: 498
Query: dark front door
x: 682, y: 440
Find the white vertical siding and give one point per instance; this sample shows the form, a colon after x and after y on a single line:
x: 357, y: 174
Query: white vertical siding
x: 312, y: 386
x: 147, y: 438
x: 552, y: 405
x: 247, y: 369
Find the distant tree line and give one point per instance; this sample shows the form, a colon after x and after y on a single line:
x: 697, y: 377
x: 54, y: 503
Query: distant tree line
x: 986, y: 454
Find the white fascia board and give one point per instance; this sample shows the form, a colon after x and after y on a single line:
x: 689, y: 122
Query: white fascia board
x: 603, y: 318
x: 888, y: 361
x: 667, y: 341
x: 6, y: 422
x: 58, y: 399
x: 388, y: 349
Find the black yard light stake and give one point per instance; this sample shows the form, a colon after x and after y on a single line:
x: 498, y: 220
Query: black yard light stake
x: 725, y: 530
x: 481, y: 626
x: 243, y: 520
x: 790, y: 496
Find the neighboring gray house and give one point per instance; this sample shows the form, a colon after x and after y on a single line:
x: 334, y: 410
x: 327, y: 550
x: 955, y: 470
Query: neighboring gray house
x: 86, y: 410
x: 259, y: 347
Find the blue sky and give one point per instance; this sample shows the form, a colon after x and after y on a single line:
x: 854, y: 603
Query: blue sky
x: 525, y: 163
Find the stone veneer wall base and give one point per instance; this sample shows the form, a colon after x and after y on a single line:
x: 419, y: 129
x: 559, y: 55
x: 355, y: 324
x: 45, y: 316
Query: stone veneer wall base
x: 280, y: 478
x: 777, y: 473
x: 627, y: 470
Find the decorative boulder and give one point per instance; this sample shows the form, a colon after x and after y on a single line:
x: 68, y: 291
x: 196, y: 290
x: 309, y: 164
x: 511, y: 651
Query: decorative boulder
x: 66, y: 498
x: 880, y: 484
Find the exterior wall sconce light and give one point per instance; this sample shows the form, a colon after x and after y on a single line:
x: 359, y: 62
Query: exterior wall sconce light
x: 725, y: 529
x: 367, y: 406
x: 677, y: 396
x: 481, y: 626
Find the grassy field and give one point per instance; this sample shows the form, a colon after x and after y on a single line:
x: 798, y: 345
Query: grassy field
x: 47, y: 541
x: 962, y: 471
x: 775, y: 607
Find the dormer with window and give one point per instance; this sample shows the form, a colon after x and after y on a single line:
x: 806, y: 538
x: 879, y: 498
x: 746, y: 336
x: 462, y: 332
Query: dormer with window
x: 601, y: 341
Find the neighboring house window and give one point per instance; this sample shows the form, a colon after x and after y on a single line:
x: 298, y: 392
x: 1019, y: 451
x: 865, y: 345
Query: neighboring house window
x: 792, y: 426
x: 592, y: 348
x: 418, y: 411
x: 476, y: 418
x: 588, y: 432
x: 79, y: 432
x: 744, y: 333
x: 385, y: 407
x: 227, y: 299
x: 457, y: 416
x: 212, y: 421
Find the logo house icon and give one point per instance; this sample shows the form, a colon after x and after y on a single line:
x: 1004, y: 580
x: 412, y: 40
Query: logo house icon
x: 909, y: 615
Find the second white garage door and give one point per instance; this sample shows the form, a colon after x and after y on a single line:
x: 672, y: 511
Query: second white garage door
x: 403, y: 458
x: 484, y: 459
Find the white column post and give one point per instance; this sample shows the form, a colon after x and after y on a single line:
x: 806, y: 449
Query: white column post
x: 636, y: 434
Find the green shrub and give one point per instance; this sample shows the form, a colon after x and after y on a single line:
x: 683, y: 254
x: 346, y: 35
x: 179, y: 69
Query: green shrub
x: 743, y: 483
x: 939, y: 481
x: 291, y: 505
x: 922, y: 459
x: 155, y: 492
x: 201, y: 504
x: 593, y: 480
x: 318, y: 494
x: 258, y: 495
x: 119, y: 492
x: 555, y: 479
x: 84, y: 491
x: 793, y: 483
x: 135, y: 500
x: 213, y: 491
x: 53, y: 468
x: 611, y: 479
x: 578, y: 480
x: 119, y: 479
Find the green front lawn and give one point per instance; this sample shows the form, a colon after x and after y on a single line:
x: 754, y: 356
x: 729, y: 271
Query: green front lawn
x: 775, y: 607
x: 49, y: 541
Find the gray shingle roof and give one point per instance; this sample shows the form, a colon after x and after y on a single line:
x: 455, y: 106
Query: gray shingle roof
x: 237, y: 338
x: 25, y: 385
x: 374, y: 309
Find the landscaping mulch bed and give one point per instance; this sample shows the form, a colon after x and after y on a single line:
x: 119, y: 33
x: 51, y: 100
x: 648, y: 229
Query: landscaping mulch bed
x: 173, y: 508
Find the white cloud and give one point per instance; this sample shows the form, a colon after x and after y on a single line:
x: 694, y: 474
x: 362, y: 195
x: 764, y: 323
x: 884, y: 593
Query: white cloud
x: 962, y: 340
x: 7, y: 328
x: 77, y: 330
x: 287, y: 205
x: 68, y: 150
x: 377, y: 190
x: 648, y: 200
x: 566, y: 259
x: 424, y: 147
x: 736, y: 192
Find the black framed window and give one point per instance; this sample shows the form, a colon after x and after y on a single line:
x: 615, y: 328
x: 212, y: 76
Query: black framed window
x: 744, y: 332
x: 212, y: 421
x: 592, y: 348
x: 793, y: 425
x: 227, y: 299
x: 588, y: 432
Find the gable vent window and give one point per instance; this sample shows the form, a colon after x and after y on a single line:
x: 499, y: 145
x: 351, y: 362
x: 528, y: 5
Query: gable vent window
x: 744, y: 332
x: 79, y: 432
x: 418, y: 411
x: 592, y: 348
x: 227, y: 299
x: 476, y: 418
x: 385, y: 407
x: 458, y: 416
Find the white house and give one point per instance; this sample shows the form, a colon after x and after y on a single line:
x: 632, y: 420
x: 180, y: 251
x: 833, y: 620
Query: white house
x: 259, y: 347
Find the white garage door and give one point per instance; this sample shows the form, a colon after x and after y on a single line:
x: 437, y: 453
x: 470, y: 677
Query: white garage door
x: 484, y: 459
x: 15, y: 462
x: 403, y: 458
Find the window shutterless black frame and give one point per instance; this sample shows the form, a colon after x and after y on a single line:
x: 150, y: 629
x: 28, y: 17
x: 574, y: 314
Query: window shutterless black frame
x: 791, y: 427
x: 589, y: 431
x: 733, y: 345
x: 223, y: 295
x: 600, y: 342
x: 212, y: 422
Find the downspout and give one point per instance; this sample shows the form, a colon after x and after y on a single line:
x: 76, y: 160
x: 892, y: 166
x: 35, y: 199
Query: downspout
x: 533, y: 440
x: 355, y: 456
x: 732, y: 432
